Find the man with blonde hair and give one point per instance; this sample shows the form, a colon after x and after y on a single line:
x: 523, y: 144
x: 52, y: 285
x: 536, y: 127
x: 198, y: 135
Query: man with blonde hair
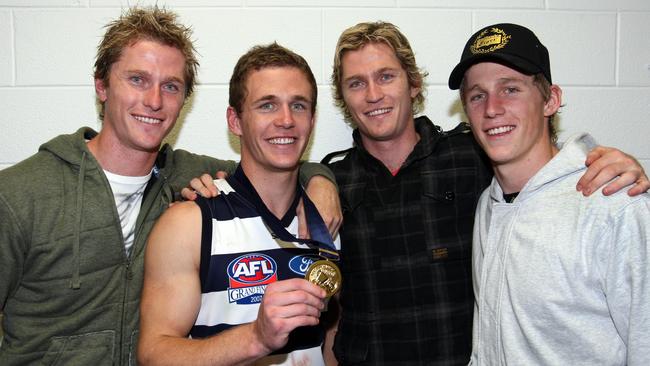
x: 559, y: 279
x: 72, y: 243
x: 408, y: 192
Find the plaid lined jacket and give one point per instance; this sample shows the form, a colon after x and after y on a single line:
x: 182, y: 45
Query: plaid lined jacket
x: 406, y: 250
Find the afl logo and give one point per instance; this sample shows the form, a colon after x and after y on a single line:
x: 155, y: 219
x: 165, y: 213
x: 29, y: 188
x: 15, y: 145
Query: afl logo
x: 252, y: 269
x: 300, y: 263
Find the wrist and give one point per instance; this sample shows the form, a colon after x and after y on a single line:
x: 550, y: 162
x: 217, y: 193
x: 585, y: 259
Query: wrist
x: 256, y: 345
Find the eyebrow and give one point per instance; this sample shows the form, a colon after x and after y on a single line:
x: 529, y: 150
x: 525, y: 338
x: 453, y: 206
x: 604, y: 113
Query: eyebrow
x: 511, y: 80
x: 377, y: 72
x: 264, y: 98
x: 500, y: 81
x: 353, y: 77
x: 384, y: 69
x: 300, y: 98
x: 270, y: 97
x: 148, y: 74
x: 175, y: 79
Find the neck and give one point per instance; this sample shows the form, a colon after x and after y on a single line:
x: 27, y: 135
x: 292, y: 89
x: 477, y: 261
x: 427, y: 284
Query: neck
x: 276, y: 189
x: 513, y: 176
x: 392, y: 153
x: 117, y: 159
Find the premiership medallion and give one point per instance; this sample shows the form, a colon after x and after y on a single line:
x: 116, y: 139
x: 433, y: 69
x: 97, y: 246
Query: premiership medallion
x: 326, y: 275
x: 323, y: 273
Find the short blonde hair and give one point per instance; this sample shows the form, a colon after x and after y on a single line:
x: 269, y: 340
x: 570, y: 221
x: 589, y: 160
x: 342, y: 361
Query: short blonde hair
x: 152, y: 24
x: 365, y: 33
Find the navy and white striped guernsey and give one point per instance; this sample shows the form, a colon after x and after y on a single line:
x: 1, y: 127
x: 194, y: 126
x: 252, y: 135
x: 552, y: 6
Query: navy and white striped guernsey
x: 239, y: 258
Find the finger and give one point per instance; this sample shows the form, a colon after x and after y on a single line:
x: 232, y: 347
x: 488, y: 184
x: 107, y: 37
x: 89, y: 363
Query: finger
x: 208, y: 183
x: 592, y: 171
x: 197, y: 185
x: 605, y: 175
x: 294, y: 309
x: 639, y: 188
x: 596, y: 153
x: 295, y: 285
x: 188, y: 194
x: 274, y: 309
x: 617, y: 184
x: 221, y: 175
x: 303, y: 230
x: 636, y: 185
x: 601, y: 157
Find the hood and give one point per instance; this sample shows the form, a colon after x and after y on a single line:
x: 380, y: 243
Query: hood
x: 71, y: 148
x: 570, y: 159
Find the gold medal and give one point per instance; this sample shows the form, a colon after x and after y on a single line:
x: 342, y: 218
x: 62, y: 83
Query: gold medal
x: 325, y: 274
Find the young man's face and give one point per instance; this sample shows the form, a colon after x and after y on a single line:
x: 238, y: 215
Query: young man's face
x: 377, y: 92
x: 276, y: 119
x: 144, y: 96
x: 507, y: 113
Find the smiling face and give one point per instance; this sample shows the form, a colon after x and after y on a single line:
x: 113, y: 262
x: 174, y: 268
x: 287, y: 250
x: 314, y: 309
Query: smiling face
x: 276, y: 119
x: 509, y: 116
x: 376, y: 90
x: 144, y: 96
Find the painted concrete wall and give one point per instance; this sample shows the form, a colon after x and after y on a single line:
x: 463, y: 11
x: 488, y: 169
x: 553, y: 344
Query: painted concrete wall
x: 600, y: 55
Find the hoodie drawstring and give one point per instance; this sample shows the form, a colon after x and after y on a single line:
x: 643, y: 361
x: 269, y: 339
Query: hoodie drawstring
x: 76, y: 282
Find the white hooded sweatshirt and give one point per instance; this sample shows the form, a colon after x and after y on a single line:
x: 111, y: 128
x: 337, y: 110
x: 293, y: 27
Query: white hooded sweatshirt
x: 561, y: 279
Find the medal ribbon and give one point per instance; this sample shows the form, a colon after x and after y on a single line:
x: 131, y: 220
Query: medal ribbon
x: 317, y: 229
x: 321, y: 237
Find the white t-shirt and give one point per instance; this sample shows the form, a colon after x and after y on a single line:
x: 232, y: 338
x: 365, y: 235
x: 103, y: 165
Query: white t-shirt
x: 128, y: 192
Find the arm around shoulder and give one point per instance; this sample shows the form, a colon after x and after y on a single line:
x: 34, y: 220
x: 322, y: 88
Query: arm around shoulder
x: 320, y: 186
x: 606, y: 163
x: 202, y: 163
x: 309, y: 170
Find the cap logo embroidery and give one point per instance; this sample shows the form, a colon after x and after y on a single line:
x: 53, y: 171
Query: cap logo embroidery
x: 490, y: 40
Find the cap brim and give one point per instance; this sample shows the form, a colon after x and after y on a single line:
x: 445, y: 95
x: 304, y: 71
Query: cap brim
x: 515, y: 62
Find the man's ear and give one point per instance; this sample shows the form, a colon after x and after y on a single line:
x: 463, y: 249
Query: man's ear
x: 101, y: 90
x: 554, y: 101
x: 415, y: 90
x: 234, y: 122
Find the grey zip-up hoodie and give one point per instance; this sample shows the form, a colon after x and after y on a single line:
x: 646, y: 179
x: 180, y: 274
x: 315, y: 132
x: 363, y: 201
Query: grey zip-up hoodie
x: 559, y: 278
x: 69, y: 293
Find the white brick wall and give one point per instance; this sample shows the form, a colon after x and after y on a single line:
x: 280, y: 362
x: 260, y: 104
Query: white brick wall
x: 600, y: 54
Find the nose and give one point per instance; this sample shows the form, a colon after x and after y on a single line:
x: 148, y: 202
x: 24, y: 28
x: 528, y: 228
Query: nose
x: 285, y: 118
x: 153, y: 98
x: 493, y: 107
x: 374, y: 93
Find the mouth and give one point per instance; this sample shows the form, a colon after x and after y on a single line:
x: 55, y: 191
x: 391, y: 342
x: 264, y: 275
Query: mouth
x: 282, y: 140
x: 499, y: 130
x: 148, y: 120
x: 378, y: 112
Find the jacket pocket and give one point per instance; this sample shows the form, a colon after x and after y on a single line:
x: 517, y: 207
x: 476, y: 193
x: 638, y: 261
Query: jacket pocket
x: 96, y: 349
x: 450, y: 198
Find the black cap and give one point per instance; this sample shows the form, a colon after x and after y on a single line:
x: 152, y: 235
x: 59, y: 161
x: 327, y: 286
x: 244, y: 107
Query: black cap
x: 510, y: 44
